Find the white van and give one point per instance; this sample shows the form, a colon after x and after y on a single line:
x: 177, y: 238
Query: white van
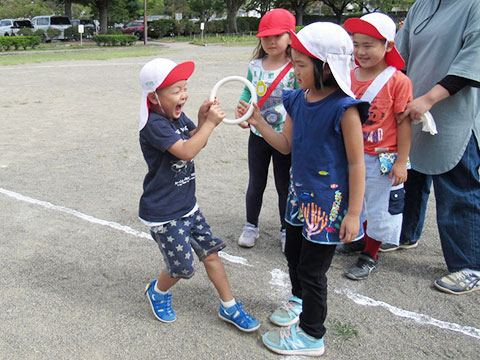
x: 44, y: 22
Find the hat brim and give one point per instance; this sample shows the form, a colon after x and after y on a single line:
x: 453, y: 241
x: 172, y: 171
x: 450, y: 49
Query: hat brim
x: 297, y: 45
x: 273, y: 32
x: 180, y: 72
x: 360, y: 26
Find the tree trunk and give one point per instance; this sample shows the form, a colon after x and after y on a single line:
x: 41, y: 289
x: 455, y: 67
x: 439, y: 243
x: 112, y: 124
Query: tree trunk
x: 232, y: 9
x: 338, y: 16
x: 103, y: 10
x: 68, y: 9
x: 299, y: 14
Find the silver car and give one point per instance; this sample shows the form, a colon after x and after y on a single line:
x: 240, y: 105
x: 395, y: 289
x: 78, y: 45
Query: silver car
x: 10, y: 27
x: 44, y: 22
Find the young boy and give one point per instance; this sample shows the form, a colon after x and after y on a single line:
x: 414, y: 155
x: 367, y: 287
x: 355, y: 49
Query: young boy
x: 378, y: 80
x: 169, y: 141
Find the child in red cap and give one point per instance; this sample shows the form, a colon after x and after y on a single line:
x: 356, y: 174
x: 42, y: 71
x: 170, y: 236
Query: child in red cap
x: 270, y: 72
x: 378, y: 80
x: 169, y: 142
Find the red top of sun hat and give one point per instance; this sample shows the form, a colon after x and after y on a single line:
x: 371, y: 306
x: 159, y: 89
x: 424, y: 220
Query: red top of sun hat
x: 276, y: 22
x: 159, y: 73
x: 379, y: 26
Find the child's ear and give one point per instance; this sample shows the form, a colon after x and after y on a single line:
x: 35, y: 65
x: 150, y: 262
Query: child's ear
x: 152, y: 98
x: 326, y: 70
x: 390, y: 45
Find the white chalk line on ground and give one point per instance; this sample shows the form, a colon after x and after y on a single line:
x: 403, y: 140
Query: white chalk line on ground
x: 279, y: 278
x: 419, y: 318
x: 94, y: 220
x: 280, y: 281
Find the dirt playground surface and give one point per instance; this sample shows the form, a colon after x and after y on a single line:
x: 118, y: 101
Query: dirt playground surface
x: 75, y: 259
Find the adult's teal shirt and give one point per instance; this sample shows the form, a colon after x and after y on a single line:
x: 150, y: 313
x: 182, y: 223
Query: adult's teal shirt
x: 446, y: 44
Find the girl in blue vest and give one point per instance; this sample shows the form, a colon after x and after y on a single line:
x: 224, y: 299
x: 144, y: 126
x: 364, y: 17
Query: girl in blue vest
x: 323, y: 133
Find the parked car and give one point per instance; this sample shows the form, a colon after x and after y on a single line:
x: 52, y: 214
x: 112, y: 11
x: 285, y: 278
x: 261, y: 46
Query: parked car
x: 10, y: 27
x: 133, y: 28
x: 44, y: 22
x: 91, y: 27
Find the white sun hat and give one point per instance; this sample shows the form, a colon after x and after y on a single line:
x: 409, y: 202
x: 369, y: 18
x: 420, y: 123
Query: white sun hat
x: 159, y: 73
x: 330, y: 43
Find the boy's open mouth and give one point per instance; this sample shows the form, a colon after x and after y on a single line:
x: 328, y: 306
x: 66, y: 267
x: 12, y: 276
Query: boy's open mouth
x: 178, y: 108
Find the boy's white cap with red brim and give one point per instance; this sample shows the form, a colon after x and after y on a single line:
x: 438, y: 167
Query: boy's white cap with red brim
x: 379, y: 26
x: 330, y: 43
x: 157, y: 74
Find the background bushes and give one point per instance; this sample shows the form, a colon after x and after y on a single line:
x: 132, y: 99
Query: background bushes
x: 17, y: 42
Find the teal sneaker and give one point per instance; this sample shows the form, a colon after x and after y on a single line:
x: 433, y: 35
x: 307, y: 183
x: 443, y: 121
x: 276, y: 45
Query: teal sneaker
x: 460, y: 282
x: 293, y: 341
x: 287, y: 313
x: 161, y: 304
x: 237, y: 316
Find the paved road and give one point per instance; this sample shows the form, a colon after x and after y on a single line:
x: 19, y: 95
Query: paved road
x: 74, y: 259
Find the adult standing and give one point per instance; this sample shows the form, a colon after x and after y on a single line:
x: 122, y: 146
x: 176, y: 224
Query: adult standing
x: 440, y: 42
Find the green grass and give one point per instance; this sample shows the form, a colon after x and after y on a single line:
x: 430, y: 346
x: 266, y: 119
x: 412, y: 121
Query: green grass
x: 103, y: 53
x: 225, y: 39
x: 344, y: 330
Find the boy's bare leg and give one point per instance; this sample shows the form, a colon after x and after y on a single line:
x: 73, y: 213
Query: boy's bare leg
x: 217, y: 275
x: 165, y: 282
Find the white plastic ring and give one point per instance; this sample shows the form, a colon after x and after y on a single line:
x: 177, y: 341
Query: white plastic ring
x: 253, y: 94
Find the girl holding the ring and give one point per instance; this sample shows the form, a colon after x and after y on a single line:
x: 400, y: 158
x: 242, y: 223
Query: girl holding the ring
x: 270, y: 72
x: 323, y: 133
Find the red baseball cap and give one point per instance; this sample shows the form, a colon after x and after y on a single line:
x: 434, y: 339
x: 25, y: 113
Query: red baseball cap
x: 276, y: 22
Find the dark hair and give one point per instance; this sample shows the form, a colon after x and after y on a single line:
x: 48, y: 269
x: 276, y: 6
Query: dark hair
x: 318, y: 80
x: 259, y: 53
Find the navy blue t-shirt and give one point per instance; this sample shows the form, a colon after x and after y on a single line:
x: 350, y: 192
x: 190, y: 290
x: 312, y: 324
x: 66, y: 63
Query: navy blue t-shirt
x: 169, y: 186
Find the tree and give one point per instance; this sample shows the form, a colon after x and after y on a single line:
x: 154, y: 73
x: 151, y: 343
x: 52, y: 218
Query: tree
x: 298, y: 7
x: 338, y: 8
x: 384, y: 6
x: 262, y: 6
x: 206, y: 8
x: 27, y: 8
x: 114, y: 10
x: 101, y: 6
x: 155, y: 7
x: 232, y: 9
x: 173, y: 7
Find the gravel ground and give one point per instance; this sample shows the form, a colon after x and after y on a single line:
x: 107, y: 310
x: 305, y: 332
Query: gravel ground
x: 75, y: 260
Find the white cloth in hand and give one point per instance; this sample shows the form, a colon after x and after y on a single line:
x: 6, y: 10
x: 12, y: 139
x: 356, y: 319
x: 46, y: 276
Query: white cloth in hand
x: 428, y: 123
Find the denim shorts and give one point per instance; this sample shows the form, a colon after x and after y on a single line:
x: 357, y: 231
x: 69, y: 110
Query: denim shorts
x: 383, y: 204
x: 178, y: 239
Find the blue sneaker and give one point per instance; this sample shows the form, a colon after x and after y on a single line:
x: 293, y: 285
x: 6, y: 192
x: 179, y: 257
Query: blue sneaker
x: 237, y: 316
x: 287, y: 313
x: 460, y: 282
x: 293, y: 341
x: 161, y: 304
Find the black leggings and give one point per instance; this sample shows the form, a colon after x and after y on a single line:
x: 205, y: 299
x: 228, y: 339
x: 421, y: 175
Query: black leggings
x: 259, y: 154
x: 308, y: 263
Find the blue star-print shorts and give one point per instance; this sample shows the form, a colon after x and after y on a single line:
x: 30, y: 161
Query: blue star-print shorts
x: 179, y: 238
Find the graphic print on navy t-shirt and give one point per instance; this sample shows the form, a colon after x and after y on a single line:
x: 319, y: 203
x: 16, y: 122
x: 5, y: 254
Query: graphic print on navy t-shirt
x: 169, y: 186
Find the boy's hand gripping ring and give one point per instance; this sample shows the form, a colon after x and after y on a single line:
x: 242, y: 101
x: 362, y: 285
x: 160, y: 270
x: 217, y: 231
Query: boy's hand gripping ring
x: 253, y: 94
